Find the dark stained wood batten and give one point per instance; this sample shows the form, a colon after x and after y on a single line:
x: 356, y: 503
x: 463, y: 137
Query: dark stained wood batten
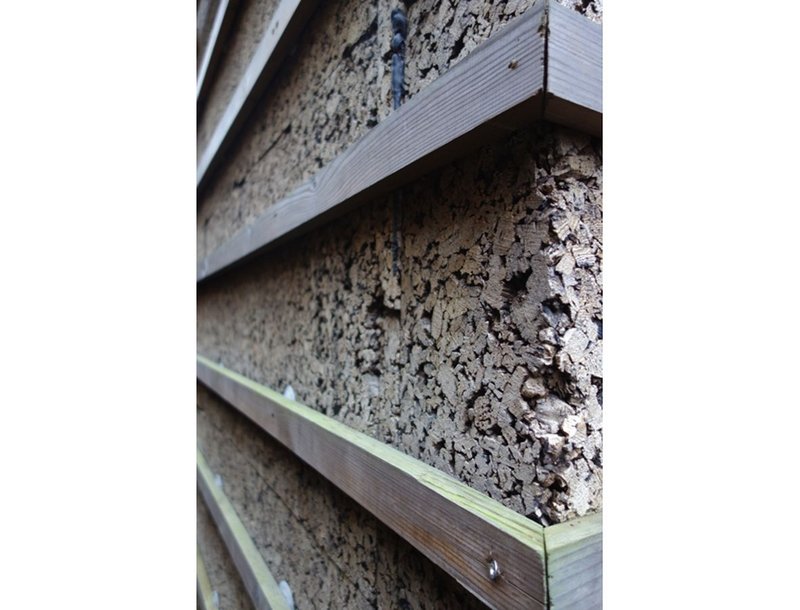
x: 287, y: 22
x: 213, y: 49
x: 574, y: 86
x: 493, y: 91
x: 544, y: 65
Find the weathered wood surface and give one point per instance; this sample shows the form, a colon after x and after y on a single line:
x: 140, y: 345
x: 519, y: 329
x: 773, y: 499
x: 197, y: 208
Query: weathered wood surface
x: 456, y: 527
x: 205, y: 595
x: 574, y: 71
x: 285, y: 26
x: 213, y: 47
x: 494, y: 90
x: 204, y: 24
x: 575, y: 563
x: 257, y: 579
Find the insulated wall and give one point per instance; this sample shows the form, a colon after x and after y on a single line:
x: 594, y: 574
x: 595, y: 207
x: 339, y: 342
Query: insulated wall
x: 457, y: 319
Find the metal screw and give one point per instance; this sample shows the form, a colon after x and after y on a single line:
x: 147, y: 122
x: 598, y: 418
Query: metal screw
x: 512, y: 65
x: 494, y: 570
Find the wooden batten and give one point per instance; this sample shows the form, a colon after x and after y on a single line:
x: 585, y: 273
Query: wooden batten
x: 213, y: 49
x: 284, y: 27
x: 574, y: 78
x: 547, y: 64
x: 456, y: 527
x: 257, y: 579
x: 205, y: 595
x: 575, y: 563
x: 494, y: 90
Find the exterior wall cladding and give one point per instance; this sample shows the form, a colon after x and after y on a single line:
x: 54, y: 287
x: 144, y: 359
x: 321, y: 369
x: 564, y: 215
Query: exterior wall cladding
x: 480, y: 354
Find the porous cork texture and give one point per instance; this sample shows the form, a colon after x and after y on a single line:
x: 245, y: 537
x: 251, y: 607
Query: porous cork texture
x: 322, y: 98
x: 222, y: 574
x: 330, y: 551
x: 481, y: 355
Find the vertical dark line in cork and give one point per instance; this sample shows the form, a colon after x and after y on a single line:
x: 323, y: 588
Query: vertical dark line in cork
x: 399, y: 31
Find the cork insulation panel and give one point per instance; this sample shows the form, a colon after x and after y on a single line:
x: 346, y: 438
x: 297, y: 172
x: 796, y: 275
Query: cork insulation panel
x: 250, y: 21
x: 332, y: 88
x: 221, y: 570
x: 466, y: 331
x: 480, y: 354
x: 331, y: 552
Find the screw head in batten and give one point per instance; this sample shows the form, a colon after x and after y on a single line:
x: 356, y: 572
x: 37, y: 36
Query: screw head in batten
x: 494, y: 570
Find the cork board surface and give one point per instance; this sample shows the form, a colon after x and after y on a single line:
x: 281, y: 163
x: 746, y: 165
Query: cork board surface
x: 476, y: 348
x: 329, y: 550
x: 221, y: 570
x: 332, y: 89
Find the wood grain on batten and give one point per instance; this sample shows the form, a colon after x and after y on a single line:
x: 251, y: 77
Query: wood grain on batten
x: 575, y: 563
x: 456, y: 527
x: 284, y: 28
x: 213, y: 47
x: 494, y: 90
x: 257, y: 579
x: 574, y: 71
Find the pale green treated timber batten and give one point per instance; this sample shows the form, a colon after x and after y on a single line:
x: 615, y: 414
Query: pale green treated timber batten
x: 205, y: 595
x: 258, y: 580
x: 457, y: 527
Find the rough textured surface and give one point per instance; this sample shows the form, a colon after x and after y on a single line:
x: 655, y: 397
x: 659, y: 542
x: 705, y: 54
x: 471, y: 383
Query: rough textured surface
x: 481, y: 356
x: 332, y: 553
x: 222, y: 572
x: 331, y: 90
x: 442, y: 33
x: 321, y: 99
x: 249, y: 24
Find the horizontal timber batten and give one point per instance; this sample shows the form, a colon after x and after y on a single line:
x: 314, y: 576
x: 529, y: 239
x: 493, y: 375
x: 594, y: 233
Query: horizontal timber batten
x: 257, y: 579
x: 456, y: 527
x: 205, y: 595
x: 575, y: 563
x: 574, y: 71
x: 500, y: 86
x: 283, y: 29
x: 213, y: 49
